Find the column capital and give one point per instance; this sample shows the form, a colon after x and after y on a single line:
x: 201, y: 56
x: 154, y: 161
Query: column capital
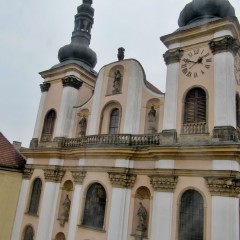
x: 223, y: 186
x: 53, y: 175
x: 45, y: 86
x: 71, y: 81
x: 163, y: 183
x: 78, y: 176
x: 224, y: 44
x: 27, y: 173
x: 173, y: 56
x: 122, y: 180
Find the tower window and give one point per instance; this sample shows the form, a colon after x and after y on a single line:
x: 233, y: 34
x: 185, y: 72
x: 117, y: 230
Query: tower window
x: 114, y: 121
x: 48, y: 126
x: 35, y: 196
x: 195, y: 106
x: 191, y: 216
x: 94, y: 211
x: 28, y: 233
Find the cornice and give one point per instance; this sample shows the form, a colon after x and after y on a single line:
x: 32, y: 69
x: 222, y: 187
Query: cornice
x: 78, y: 176
x: 230, y: 24
x: 163, y: 183
x: 53, y: 175
x: 224, y: 44
x: 198, y: 152
x: 122, y: 180
x: 223, y: 186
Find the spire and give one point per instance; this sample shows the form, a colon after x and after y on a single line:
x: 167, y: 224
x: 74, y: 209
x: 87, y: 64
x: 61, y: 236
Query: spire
x: 78, y: 49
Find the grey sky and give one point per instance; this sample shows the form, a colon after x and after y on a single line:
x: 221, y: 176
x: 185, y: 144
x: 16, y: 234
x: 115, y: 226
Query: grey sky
x: 32, y: 31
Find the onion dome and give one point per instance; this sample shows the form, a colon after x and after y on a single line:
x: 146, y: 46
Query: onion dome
x: 205, y: 11
x: 78, y: 49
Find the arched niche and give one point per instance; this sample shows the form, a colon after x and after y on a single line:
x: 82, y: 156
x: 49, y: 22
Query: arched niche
x: 82, y: 125
x: 152, y: 116
x: 115, y: 80
x: 140, y: 224
x: 65, y: 202
x: 106, y: 117
x: 60, y: 236
x: 28, y: 233
x: 48, y: 126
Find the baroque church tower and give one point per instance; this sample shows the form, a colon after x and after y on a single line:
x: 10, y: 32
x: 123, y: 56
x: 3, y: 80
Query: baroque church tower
x: 114, y: 158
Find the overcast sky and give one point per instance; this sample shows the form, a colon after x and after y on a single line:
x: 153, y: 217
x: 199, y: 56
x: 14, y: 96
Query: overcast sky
x: 32, y: 31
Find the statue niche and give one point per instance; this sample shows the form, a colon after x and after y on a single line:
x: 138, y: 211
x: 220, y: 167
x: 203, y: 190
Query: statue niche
x: 152, y: 120
x: 65, y: 211
x: 117, y: 82
x: 83, y: 126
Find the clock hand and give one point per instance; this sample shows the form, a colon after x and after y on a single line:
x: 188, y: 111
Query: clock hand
x: 186, y: 60
x: 193, y: 65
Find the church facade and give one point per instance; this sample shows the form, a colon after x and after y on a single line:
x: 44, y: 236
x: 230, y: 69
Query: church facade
x: 114, y: 158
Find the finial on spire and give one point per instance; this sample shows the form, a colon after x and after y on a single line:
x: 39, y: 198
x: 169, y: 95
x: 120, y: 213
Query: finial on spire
x: 78, y: 49
x: 120, y: 55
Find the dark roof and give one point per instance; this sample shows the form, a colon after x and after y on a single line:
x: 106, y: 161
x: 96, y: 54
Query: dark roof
x: 9, y: 156
x: 152, y: 87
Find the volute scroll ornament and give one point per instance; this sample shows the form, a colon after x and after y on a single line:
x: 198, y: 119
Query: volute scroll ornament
x: 27, y: 173
x: 54, y: 175
x: 224, y: 44
x: 78, y: 177
x: 162, y: 183
x: 223, y: 186
x: 173, y: 56
x: 122, y: 180
x: 45, y: 86
x: 71, y: 81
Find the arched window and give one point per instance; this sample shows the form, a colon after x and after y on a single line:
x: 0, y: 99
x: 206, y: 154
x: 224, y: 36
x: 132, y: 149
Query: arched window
x: 191, y: 216
x: 195, y: 112
x: 94, y: 210
x: 28, y: 233
x: 35, y: 196
x: 48, y: 126
x: 60, y: 236
x: 238, y: 111
x: 114, y: 121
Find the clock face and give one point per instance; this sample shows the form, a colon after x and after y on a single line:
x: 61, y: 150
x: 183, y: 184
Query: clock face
x: 196, y: 63
x: 237, y: 68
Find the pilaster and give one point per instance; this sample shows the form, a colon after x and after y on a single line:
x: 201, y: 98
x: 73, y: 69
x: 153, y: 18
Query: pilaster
x: 78, y: 178
x: 53, y: 178
x: 71, y: 85
x: 21, y: 207
x: 40, y: 118
x: 225, y: 207
x: 162, y: 204
x: 172, y: 58
x: 120, y: 204
x: 224, y: 49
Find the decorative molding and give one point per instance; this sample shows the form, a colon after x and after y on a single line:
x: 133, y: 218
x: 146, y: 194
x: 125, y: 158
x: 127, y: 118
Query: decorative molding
x: 223, y: 186
x: 54, y: 175
x: 71, y: 81
x: 122, y: 180
x: 224, y: 44
x: 173, y: 56
x: 34, y: 143
x: 225, y: 133
x: 45, y: 86
x: 27, y: 173
x: 161, y: 183
x: 78, y: 176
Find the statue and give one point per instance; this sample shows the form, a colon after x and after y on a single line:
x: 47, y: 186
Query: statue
x: 117, y: 82
x: 120, y: 55
x: 152, y: 120
x: 66, y: 209
x: 142, y: 218
x: 83, y: 126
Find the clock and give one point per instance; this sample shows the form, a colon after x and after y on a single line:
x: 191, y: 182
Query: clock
x: 196, y: 62
x: 237, y: 67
